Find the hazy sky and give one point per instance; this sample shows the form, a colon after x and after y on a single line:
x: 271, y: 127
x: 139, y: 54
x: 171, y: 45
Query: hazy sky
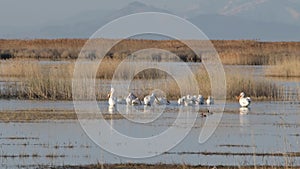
x: 31, y: 12
x: 221, y: 19
x: 37, y: 12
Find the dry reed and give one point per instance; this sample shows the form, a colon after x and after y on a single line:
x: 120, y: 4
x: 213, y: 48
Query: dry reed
x: 54, y: 82
x: 286, y: 68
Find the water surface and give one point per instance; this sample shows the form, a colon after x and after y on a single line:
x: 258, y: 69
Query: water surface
x: 249, y: 137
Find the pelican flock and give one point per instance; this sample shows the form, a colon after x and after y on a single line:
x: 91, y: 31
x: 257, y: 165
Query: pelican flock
x: 152, y: 99
x: 191, y: 100
x: 162, y: 101
x: 149, y: 99
x: 132, y: 99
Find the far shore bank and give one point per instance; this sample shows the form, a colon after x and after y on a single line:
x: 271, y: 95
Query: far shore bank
x: 245, y: 52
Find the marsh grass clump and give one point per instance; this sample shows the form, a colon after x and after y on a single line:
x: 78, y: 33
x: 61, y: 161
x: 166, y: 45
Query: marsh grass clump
x: 37, y: 81
x: 257, y: 89
x: 108, y: 68
x: 285, y: 68
x: 54, y: 82
x: 235, y: 83
x: 14, y: 68
x: 240, y: 58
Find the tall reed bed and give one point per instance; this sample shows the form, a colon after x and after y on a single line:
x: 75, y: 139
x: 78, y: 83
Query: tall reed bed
x: 54, y: 82
x: 285, y: 68
x: 37, y: 81
x: 257, y: 89
x: 13, y: 68
x: 235, y: 83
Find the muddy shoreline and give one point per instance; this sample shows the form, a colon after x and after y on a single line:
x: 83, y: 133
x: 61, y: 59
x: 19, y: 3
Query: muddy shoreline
x: 27, y: 116
x: 48, y: 115
x: 165, y: 166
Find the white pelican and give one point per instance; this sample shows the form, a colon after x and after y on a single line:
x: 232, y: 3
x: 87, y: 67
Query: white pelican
x: 149, y: 99
x: 199, y: 100
x: 162, y: 101
x: 132, y: 99
x: 244, y: 101
x: 136, y: 101
x: 129, y: 98
x: 189, y: 100
x: 181, y: 100
x: 112, y: 101
x: 210, y: 100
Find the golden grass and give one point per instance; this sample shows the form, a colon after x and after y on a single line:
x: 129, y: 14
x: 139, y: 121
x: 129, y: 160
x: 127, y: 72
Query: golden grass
x: 236, y: 83
x: 54, y: 82
x: 13, y: 68
x: 21, y: 68
x: 257, y: 89
x: 286, y: 68
x: 39, y: 81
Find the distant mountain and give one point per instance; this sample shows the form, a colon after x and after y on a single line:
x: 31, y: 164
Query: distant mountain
x: 279, y: 11
x: 85, y: 24
x: 232, y: 27
x: 234, y: 21
x: 136, y: 7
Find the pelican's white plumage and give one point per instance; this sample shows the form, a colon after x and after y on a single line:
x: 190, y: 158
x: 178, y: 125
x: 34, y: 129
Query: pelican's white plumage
x: 149, y: 99
x: 199, y: 100
x: 161, y: 101
x: 136, y: 101
x: 181, y: 100
x: 189, y: 100
x: 132, y: 99
x: 112, y: 100
x: 128, y: 99
x: 210, y: 100
x: 244, y: 101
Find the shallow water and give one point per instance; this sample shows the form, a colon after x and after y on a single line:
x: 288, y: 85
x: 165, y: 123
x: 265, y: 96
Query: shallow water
x: 266, y: 129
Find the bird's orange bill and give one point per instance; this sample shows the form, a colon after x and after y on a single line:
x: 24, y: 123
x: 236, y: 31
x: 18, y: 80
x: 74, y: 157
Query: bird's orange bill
x: 108, y: 95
